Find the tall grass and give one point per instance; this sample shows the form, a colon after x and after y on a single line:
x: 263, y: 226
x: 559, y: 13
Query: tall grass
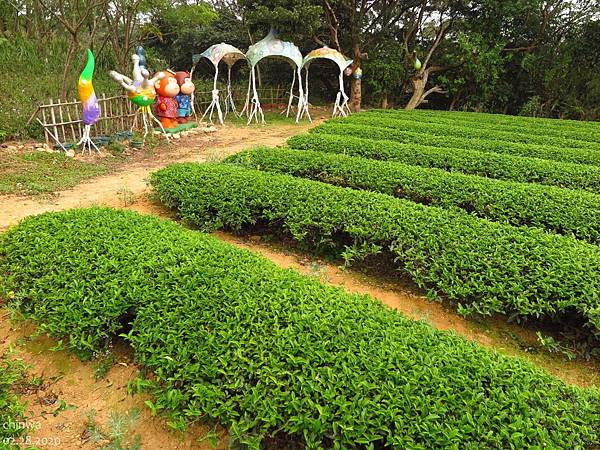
x: 31, y: 73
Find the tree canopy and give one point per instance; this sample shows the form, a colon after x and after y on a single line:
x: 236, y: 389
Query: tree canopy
x: 535, y: 57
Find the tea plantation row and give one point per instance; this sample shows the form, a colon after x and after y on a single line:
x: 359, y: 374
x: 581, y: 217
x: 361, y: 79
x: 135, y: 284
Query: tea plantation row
x: 370, y: 142
x: 561, y: 211
x: 587, y: 131
x: 536, y: 129
x: 441, y: 136
x: 484, y: 266
x: 268, y: 352
x: 485, y: 138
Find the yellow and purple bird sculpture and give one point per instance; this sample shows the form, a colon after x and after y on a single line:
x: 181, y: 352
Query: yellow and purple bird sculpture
x: 89, y: 102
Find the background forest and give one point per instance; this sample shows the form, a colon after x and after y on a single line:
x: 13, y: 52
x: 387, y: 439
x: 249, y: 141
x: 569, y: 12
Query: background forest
x: 529, y: 57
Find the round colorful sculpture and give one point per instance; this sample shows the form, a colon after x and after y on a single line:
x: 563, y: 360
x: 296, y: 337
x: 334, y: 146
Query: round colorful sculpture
x: 167, y: 89
x: 89, y: 103
x: 186, y: 89
x: 141, y: 92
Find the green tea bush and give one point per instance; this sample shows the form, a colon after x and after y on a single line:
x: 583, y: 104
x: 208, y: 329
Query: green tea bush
x: 12, y: 411
x: 574, y: 128
x: 484, y: 266
x: 479, y: 137
x: 515, y: 132
x: 270, y: 353
x: 562, y: 211
x: 457, y: 137
x: 363, y: 141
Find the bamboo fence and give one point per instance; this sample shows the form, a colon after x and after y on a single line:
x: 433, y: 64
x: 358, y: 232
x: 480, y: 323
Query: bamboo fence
x: 62, y: 120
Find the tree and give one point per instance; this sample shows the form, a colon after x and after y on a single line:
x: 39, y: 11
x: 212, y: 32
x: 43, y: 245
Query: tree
x: 75, y: 16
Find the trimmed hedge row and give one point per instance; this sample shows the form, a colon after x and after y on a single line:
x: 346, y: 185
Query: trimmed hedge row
x: 577, y: 131
x: 589, y: 128
x: 351, y: 140
x: 268, y: 352
x: 530, y: 129
x: 484, y: 266
x: 562, y: 211
x: 475, y: 139
x: 477, y: 134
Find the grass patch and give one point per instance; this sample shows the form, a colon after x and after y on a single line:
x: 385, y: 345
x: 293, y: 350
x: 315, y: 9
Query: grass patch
x: 12, y: 411
x: 271, y: 117
x: 41, y: 172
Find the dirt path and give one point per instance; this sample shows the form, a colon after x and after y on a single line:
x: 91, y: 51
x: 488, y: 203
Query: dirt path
x: 130, y: 180
x: 64, y: 378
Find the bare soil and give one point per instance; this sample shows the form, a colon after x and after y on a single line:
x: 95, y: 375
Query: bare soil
x: 65, y: 378
x: 116, y: 188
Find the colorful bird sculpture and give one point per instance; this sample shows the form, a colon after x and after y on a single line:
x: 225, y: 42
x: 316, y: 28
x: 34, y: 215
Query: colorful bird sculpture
x: 89, y: 102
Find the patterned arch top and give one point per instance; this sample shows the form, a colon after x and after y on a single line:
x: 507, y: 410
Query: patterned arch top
x: 271, y: 45
x: 327, y: 53
x: 223, y: 52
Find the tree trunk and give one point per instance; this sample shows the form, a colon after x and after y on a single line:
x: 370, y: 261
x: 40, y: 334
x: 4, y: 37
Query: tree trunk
x: 355, y: 94
x: 73, y: 46
x: 384, y: 100
x: 419, y: 81
x: 356, y: 84
x: 457, y: 97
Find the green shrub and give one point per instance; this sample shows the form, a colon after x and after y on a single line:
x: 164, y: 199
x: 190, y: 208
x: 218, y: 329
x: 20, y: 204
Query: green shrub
x: 447, y: 136
x: 486, y: 267
x: 579, y: 131
x: 352, y: 140
x: 467, y: 136
x: 562, y: 211
x: 12, y: 411
x: 485, y: 119
x: 271, y: 353
x: 80, y: 296
x: 42, y: 60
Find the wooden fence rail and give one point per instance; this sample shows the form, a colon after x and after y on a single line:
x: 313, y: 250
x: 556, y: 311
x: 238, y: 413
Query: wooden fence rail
x: 62, y: 120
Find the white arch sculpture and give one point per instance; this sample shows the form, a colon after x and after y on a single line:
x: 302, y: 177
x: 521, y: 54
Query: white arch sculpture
x: 272, y: 46
x: 229, y: 55
x: 340, y: 107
